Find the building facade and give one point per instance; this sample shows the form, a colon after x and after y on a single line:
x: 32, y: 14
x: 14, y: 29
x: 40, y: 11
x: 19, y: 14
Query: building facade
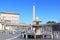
x: 10, y: 21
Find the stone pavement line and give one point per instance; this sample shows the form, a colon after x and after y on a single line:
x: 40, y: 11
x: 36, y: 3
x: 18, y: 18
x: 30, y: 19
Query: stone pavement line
x: 13, y: 37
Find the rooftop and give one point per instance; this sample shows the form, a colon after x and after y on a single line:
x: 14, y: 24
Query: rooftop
x: 9, y: 13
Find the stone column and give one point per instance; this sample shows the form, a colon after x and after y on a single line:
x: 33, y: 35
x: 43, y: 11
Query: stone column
x: 52, y: 36
x: 43, y: 36
x: 31, y: 28
x: 26, y: 36
x: 3, y: 26
x: 35, y: 36
x: 57, y: 35
x: 23, y: 35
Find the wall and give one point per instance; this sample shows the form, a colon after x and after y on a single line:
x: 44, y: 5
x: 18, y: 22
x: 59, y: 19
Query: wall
x: 0, y: 26
x: 9, y: 16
